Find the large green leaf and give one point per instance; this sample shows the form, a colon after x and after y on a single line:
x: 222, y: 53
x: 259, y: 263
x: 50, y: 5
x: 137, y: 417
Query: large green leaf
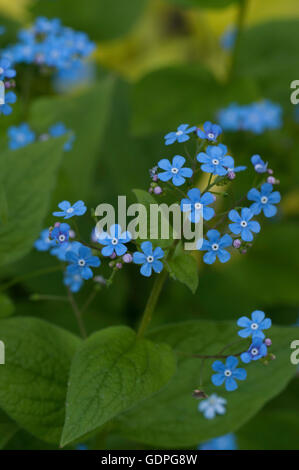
x: 102, y: 19
x: 113, y: 370
x: 183, y: 267
x: 165, y: 98
x: 7, y: 429
x: 6, y: 306
x: 33, y: 381
x: 86, y: 114
x: 171, y: 418
x: 27, y: 177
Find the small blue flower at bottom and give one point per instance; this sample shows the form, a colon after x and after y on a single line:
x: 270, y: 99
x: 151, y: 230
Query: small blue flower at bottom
x: 264, y: 200
x: 10, y: 98
x: 150, y: 259
x: 114, y: 241
x: 180, y: 135
x: 73, y: 280
x: 68, y: 210
x: 228, y: 373
x: 256, y: 351
x: 215, y: 247
x: 226, y: 442
x: 81, y: 447
x: 242, y: 224
x: 212, y: 406
x: 60, y: 233
x: 210, y: 131
x: 81, y: 262
x: 254, y: 326
x: 174, y: 171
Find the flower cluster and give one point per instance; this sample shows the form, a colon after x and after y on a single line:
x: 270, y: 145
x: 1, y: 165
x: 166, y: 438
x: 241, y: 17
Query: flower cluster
x: 256, y: 117
x: 22, y: 135
x: 48, y: 43
x: 7, y: 76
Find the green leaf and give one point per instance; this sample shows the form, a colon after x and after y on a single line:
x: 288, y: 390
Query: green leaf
x: 113, y: 370
x: 6, y: 306
x: 171, y: 418
x: 27, y: 176
x: 183, y: 267
x: 33, y: 381
x: 7, y: 429
x: 86, y: 114
x: 165, y: 98
x: 102, y: 19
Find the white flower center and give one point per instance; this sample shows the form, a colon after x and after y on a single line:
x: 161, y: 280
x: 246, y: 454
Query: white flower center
x: 243, y: 223
x: 215, y: 161
x: 61, y: 238
x: 179, y: 133
x: 254, y: 351
x: 198, y: 206
x: 211, y: 135
x: 81, y: 262
x: 215, y: 246
x: 258, y: 166
x: 114, y: 241
x: 254, y: 326
x: 174, y: 171
x: 70, y: 210
x: 227, y: 373
x: 150, y: 259
x: 264, y: 200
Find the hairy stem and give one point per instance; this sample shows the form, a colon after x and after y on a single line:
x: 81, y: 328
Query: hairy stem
x: 77, y: 313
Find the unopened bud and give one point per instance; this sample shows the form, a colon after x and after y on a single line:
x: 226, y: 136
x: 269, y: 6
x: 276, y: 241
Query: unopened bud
x: 127, y: 258
x: 119, y: 265
x: 270, y: 171
x: 237, y: 243
x: 199, y: 394
x: 113, y: 256
x: 268, y: 342
x: 158, y: 190
x: 231, y: 175
x: 271, y: 180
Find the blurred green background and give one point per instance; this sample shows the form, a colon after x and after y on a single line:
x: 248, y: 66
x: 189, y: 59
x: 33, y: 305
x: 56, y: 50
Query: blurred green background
x: 160, y: 63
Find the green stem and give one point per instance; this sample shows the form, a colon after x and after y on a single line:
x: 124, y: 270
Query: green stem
x: 240, y: 27
x: 152, y: 302
x: 39, y: 272
x: 77, y: 313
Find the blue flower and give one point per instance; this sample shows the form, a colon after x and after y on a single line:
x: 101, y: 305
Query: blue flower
x: 242, y: 224
x: 6, y: 70
x: 181, y: 135
x: 60, y: 233
x: 73, y: 280
x: 264, y: 200
x: 228, y: 373
x: 226, y: 442
x: 174, y: 170
x: 256, y: 351
x: 228, y: 38
x: 259, y: 165
x: 215, y: 160
x: 46, y: 26
x: 197, y: 204
x: 10, y: 98
x: 210, y: 131
x: 68, y: 211
x: 115, y: 241
x: 60, y: 251
x: 149, y: 259
x: 215, y: 247
x: 81, y: 261
x: 230, y: 118
x: 59, y: 129
x: 212, y: 406
x: 20, y: 136
x: 44, y: 241
x: 254, y: 327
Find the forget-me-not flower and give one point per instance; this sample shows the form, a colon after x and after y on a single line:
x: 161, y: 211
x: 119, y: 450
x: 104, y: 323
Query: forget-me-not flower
x: 114, y: 241
x: 210, y: 131
x: 242, y: 224
x: 10, y: 98
x: 60, y: 233
x: 259, y: 165
x: 197, y: 204
x: 257, y: 350
x: 264, y: 200
x: 44, y: 242
x: 6, y: 69
x: 81, y: 262
x: 150, y: 259
x: 215, y: 247
x: 215, y: 160
x: 58, y: 130
x: 174, y: 171
x: 228, y: 373
x: 254, y: 327
x: 226, y: 442
x: 212, y: 406
x: 180, y: 135
x: 20, y: 136
x: 73, y: 280
x: 68, y: 210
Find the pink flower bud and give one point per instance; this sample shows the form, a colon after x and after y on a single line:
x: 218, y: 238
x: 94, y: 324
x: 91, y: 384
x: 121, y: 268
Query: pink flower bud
x: 237, y: 243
